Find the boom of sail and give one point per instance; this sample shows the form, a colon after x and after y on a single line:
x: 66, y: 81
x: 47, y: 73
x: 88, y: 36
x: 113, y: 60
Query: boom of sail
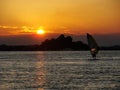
x: 93, y: 45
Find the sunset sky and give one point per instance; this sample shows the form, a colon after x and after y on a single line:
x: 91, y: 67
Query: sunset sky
x: 19, y: 17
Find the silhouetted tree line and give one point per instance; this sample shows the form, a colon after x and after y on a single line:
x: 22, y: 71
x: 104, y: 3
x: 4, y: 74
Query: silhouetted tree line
x: 20, y: 48
x: 59, y: 43
x: 54, y: 44
x: 63, y: 43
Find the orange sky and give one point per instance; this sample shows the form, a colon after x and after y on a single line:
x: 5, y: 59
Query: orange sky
x: 59, y: 16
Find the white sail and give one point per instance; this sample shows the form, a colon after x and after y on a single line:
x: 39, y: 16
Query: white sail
x: 92, y: 44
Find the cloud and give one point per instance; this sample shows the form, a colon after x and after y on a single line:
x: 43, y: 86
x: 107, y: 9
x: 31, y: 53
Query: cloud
x: 6, y: 27
x: 5, y: 30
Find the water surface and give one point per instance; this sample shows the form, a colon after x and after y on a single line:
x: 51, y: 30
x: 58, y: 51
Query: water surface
x: 59, y: 70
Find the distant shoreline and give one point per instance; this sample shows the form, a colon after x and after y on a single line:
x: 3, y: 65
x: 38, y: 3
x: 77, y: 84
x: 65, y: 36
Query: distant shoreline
x: 61, y: 43
x: 39, y: 48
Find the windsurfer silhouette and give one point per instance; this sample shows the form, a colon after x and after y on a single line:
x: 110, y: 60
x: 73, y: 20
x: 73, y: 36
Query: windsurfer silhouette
x: 93, y: 52
x: 93, y: 45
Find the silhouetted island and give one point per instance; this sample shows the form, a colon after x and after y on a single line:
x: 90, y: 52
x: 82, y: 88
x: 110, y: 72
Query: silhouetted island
x: 54, y: 44
x: 63, y: 43
x: 60, y: 43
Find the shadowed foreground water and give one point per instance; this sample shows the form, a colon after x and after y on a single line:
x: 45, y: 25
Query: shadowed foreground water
x: 62, y: 70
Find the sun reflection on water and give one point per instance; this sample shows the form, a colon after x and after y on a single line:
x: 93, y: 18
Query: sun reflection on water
x: 41, y: 72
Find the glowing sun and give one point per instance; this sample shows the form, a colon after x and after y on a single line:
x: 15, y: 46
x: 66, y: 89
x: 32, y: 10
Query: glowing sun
x: 41, y: 31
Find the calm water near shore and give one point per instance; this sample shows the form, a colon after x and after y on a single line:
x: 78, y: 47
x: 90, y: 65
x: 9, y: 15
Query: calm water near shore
x: 59, y: 70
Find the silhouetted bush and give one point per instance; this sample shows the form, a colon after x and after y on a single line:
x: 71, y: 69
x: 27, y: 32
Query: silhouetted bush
x: 63, y: 43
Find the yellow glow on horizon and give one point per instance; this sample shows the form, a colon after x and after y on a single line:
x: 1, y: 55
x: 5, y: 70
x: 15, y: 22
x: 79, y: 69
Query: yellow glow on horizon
x: 41, y: 31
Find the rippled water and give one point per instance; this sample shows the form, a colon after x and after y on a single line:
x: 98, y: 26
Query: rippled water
x: 59, y: 70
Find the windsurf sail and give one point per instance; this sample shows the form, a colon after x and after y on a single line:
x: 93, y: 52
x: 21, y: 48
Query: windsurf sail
x: 93, y: 45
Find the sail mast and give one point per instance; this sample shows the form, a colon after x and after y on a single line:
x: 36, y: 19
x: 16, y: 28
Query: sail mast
x: 93, y: 45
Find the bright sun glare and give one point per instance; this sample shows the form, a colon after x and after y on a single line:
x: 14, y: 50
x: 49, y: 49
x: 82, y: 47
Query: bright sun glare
x: 41, y: 31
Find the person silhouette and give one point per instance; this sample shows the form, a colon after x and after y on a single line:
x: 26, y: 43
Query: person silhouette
x: 93, y: 52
